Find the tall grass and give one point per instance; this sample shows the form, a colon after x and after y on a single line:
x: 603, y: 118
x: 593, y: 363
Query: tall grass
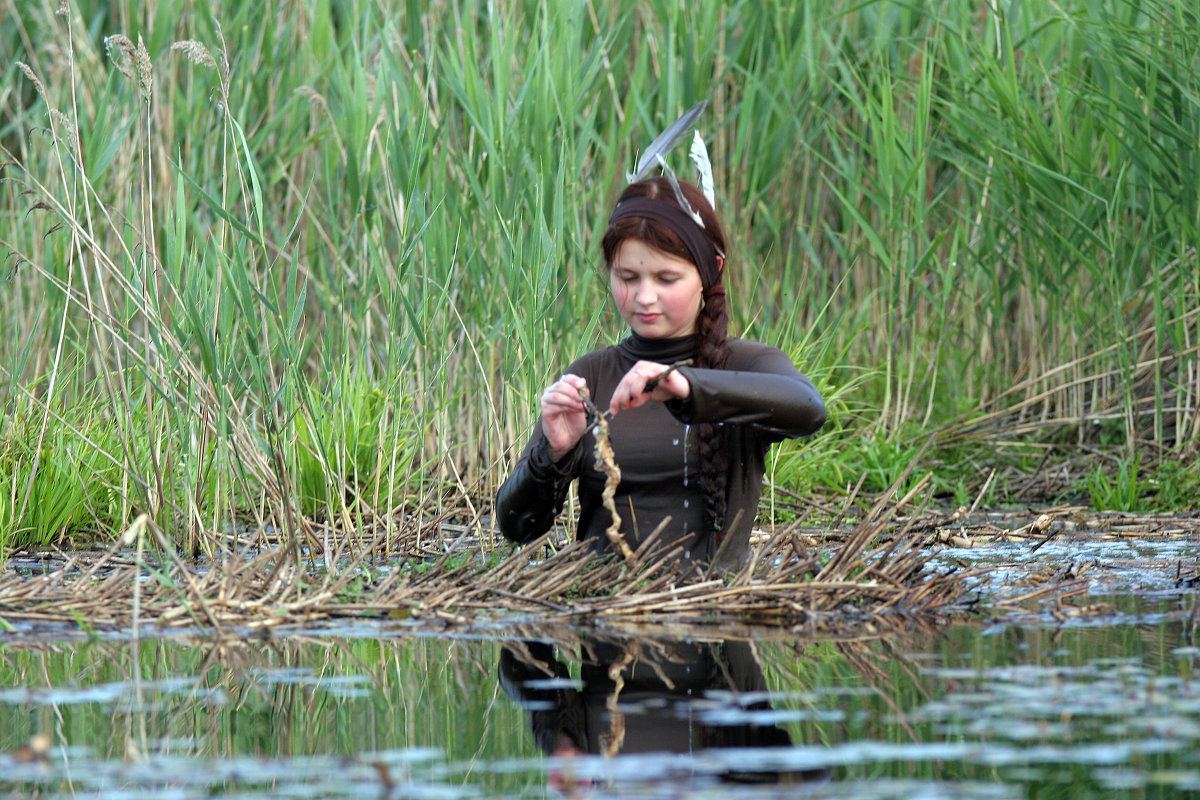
x: 314, y: 261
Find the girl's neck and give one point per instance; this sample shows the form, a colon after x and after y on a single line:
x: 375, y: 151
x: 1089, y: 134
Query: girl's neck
x: 664, y: 351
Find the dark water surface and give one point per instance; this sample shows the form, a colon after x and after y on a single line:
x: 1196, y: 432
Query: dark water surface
x: 1090, y: 705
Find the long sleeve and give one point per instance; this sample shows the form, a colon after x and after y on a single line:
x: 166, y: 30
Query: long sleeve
x: 768, y: 393
x: 533, y: 494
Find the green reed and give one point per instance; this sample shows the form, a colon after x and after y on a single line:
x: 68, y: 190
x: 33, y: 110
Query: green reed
x: 319, y: 259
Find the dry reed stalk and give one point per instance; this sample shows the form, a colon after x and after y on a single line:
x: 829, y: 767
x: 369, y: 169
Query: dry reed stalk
x: 606, y: 462
x: 876, y: 577
x: 1035, y: 410
x: 613, y: 740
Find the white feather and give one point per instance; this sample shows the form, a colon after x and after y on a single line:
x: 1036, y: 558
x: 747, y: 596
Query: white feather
x: 699, y: 154
x: 683, y: 201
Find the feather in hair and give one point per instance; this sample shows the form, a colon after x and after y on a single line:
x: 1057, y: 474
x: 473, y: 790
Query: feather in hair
x: 683, y: 201
x: 663, y: 143
x: 699, y: 155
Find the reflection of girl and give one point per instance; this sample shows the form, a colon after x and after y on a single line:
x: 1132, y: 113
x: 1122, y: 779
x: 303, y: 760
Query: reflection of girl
x: 692, y: 447
x: 669, y: 701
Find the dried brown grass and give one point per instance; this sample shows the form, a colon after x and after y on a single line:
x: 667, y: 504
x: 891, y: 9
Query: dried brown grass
x: 1084, y: 392
x: 868, y: 579
x: 876, y: 570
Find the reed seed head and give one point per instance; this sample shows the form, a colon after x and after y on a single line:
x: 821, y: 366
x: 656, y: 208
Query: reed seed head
x: 34, y: 79
x: 132, y: 62
x: 314, y: 97
x: 196, y: 52
x: 121, y: 53
x: 145, y: 70
x: 68, y: 127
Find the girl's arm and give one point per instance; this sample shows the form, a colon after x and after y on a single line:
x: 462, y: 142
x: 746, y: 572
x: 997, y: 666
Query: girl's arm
x: 533, y: 495
x: 765, y: 390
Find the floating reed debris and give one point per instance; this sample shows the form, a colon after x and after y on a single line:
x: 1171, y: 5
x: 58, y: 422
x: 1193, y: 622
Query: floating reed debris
x: 869, y: 576
x: 784, y: 583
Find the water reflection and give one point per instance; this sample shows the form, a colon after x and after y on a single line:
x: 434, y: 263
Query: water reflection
x: 1007, y: 710
x: 641, y: 697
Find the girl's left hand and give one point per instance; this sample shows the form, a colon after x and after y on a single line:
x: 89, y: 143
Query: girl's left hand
x: 631, y: 391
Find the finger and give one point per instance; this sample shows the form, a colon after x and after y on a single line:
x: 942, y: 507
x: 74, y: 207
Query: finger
x: 643, y: 373
x: 635, y: 386
x: 646, y: 379
x: 629, y: 387
x: 575, y: 382
x: 562, y: 405
x: 664, y: 385
x: 628, y: 395
x: 567, y: 386
x: 561, y: 402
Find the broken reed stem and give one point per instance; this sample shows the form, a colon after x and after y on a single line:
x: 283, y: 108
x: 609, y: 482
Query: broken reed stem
x: 572, y: 587
x: 660, y: 377
x: 607, y: 463
x: 612, y: 741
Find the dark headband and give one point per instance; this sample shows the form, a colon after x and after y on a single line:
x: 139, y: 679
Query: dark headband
x: 704, y: 255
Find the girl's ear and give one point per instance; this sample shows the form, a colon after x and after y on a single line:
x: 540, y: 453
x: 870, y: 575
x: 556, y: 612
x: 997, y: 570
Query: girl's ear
x: 720, y: 263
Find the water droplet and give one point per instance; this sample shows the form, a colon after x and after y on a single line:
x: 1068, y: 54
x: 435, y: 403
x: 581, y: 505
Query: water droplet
x: 686, y: 428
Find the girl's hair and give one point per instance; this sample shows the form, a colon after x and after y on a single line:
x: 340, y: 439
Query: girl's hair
x: 712, y: 325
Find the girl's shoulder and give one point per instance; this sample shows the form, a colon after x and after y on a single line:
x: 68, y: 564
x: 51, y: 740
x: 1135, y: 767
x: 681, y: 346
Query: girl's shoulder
x: 748, y: 354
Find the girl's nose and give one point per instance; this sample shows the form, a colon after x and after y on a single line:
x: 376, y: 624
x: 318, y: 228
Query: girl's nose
x: 645, y: 294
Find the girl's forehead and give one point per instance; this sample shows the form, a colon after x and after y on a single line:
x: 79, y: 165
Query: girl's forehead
x: 635, y: 253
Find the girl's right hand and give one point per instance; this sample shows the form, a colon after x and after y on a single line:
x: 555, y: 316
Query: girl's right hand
x: 564, y: 418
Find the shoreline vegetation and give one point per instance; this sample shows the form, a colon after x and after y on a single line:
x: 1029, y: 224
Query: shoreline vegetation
x: 304, y: 268
x: 849, y: 579
x: 872, y: 577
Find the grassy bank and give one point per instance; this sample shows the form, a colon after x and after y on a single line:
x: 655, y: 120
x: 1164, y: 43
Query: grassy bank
x: 316, y: 260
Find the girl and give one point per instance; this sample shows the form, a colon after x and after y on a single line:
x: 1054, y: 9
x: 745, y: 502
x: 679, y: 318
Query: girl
x: 692, y: 446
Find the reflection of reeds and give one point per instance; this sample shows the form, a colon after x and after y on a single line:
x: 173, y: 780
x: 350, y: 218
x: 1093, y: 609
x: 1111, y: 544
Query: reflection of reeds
x: 213, y: 698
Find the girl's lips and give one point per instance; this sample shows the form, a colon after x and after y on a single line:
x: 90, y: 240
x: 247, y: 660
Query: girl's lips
x: 648, y: 317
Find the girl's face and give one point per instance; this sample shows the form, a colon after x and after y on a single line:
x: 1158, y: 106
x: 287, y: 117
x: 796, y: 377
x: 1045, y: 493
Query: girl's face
x: 656, y: 293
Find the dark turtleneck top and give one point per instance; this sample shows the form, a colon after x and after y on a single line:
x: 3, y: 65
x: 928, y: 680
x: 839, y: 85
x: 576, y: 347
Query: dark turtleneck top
x: 758, y: 399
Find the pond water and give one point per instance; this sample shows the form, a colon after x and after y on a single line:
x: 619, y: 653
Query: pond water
x: 1031, y: 707
x: 1094, y: 694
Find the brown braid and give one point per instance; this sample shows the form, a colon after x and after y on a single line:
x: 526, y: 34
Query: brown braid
x: 712, y: 350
